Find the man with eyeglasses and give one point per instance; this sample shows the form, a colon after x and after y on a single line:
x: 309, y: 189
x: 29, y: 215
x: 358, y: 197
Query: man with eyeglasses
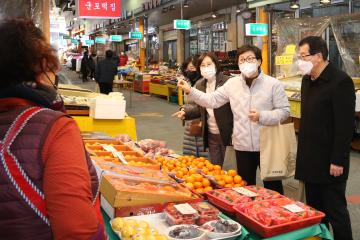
x: 327, y: 121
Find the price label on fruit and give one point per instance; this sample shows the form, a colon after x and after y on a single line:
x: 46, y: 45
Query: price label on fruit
x: 245, y: 192
x: 185, y: 209
x: 293, y: 208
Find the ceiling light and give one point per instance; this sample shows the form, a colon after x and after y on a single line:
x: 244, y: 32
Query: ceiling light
x: 165, y: 9
x: 294, y: 5
x: 186, y: 4
x: 325, y: 1
x: 238, y: 10
x: 213, y: 15
x: 172, y: 7
x: 75, y: 19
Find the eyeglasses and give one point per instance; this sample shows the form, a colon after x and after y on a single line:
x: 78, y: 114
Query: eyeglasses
x: 302, y: 57
x: 248, y: 59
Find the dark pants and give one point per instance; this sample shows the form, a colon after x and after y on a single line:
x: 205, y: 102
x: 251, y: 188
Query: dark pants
x: 330, y: 199
x: 216, y: 149
x: 247, y: 164
x: 105, y: 88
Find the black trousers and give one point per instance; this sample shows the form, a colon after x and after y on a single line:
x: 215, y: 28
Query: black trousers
x: 105, y: 88
x: 330, y: 199
x: 247, y: 164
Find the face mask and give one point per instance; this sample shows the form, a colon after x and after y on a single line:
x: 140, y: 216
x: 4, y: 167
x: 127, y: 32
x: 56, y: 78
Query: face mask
x: 305, y: 67
x: 249, y: 69
x: 192, y: 75
x: 208, y: 72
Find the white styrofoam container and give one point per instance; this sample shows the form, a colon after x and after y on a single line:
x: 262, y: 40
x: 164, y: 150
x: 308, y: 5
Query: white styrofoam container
x: 107, y: 108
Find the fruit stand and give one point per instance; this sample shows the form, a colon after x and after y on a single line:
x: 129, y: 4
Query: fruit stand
x: 147, y: 192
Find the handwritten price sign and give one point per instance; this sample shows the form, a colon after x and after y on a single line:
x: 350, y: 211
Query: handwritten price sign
x: 284, y: 60
x: 99, y: 8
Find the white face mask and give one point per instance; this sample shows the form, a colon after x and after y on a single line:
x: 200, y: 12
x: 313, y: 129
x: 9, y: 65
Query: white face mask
x: 305, y: 67
x: 249, y: 69
x: 208, y: 72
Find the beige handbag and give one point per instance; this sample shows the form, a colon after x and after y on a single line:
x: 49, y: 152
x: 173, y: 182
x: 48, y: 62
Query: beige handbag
x: 278, y: 148
x: 229, y: 159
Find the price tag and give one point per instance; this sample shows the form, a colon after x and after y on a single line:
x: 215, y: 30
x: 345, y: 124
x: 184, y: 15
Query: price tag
x: 245, y: 192
x: 290, y: 49
x: 293, y: 208
x: 284, y: 60
x: 185, y: 209
x: 115, y: 153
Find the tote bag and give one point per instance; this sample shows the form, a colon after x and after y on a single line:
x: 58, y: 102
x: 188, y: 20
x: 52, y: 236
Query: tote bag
x: 230, y: 159
x: 277, y: 152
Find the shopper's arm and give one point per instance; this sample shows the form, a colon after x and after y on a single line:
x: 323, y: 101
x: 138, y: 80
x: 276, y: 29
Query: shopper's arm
x: 281, y: 107
x: 210, y: 100
x: 66, y: 184
x: 343, y: 102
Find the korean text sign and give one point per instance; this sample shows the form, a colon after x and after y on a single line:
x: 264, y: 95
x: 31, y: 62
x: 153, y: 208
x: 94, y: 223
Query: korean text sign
x: 99, y: 8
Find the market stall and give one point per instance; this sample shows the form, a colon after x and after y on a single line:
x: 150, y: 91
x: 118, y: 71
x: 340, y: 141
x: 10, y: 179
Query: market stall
x: 148, y: 192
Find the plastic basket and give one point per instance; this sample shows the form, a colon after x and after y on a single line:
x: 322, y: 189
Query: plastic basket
x: 270, y: 231
x: 228, y: 207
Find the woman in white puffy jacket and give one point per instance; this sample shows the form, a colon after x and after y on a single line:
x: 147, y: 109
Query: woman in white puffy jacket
x: 256, y: 100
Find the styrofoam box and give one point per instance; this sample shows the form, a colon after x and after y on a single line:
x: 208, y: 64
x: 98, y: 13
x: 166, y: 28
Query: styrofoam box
x: 107, y: 108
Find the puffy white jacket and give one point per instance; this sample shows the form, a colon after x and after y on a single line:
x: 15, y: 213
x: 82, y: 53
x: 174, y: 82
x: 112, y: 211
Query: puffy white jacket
x: 266, y: 95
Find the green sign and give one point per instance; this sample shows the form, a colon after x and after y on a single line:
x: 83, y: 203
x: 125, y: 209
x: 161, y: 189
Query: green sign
x: 135, y: 35
x: 75, y: 41
x: 115, y: 38
x: 182, y: 24
x: 66, y: 37
x: 256, y: 29
x: 89, y: 42
x: 100, y: 40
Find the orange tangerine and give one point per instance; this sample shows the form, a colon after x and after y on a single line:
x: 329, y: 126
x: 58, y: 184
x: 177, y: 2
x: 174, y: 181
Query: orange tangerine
x: 190, y: 185
x: 192, y: 171
x: 228, y: 179
x: 218, y: 177
x: 217, y: 167
x: 200, y: 165
x: 209, y: 188
x: 179, y: 174
x: 210, y: 167
x: 237, y: 179
x: 190, y: 179
x: 237, y: 185
x: 199, y: 190
x: 198, y: 185
x: 232, y: 173
x: 205, y: 170
x: 198, y: 177
x: 229, y: 185
x: 221, y: 183
x: 206, y: 182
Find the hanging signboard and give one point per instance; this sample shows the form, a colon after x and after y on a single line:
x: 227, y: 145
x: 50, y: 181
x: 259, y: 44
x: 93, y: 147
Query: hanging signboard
x: 135, y: 35
x: 99, y: 8
x: 182, y: 24
x: 100, y: 40
x: 89, y: 42
x: 256, y: 29
x: 115, y: 38
x: 74, y: 41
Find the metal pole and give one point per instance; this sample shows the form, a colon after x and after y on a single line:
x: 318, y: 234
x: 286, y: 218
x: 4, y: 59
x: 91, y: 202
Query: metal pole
x: 270, y: 42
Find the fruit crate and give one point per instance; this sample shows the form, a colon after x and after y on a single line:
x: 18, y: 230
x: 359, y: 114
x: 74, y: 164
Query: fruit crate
x: 270, y: 231
x: 214, y: 197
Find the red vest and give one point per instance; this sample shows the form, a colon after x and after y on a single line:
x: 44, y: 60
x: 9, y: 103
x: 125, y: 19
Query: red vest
x: 22, y: 207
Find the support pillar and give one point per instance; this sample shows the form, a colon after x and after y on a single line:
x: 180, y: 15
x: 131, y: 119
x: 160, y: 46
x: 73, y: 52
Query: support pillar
x: 231, y: 41
x: 141, y: 45
x: 263, y: 18
x: 180, y: 46
x: 161, y: 45
x: 46, y: 19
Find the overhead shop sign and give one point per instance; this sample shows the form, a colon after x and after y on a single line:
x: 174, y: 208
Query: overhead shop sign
x: 135, y: 35
x: 100, y: 40
x: 182, y: 24
x: 89, y: 42
x: 74, y: 41
x: 256, y: 29
x: 115, y: 38
x: 99, y: 8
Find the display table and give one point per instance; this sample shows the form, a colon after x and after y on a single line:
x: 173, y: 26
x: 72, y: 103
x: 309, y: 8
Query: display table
x: 111, y: 127
x: 166, y: 91
x: 318, y: 231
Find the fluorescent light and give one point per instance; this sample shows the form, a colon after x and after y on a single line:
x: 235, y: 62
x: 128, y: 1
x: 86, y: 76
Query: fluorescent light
x: 325, y: 1
x: 238, y: 10
x: 294, y: 5
x: 75, y: 19
x: 213, y: 15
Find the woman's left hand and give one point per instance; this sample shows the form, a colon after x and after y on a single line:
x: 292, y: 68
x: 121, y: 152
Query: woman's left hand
x: 254, y: 115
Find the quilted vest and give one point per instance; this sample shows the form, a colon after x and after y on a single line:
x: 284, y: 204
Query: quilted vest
x: 20, y: 216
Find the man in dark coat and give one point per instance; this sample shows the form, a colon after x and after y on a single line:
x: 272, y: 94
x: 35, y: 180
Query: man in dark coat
x: 327, y: 121
x: 105, y: 72
x: 84, y: 67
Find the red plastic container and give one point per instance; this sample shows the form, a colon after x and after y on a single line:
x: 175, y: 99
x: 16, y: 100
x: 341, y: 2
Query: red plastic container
x: 270, y: 231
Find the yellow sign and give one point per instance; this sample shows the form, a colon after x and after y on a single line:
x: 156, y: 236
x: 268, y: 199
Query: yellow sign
x: 290, y: 49
x: 284, y: 60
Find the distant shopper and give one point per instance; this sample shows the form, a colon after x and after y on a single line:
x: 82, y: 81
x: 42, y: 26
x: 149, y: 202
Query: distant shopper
x: 256, y: 100
x: 92, y: 65
x: 217, y: 123
x: 105, y: 72
x: 327, y: 122
x: 84, y: 67
x: 123, y: 59
x: 49, y: 187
